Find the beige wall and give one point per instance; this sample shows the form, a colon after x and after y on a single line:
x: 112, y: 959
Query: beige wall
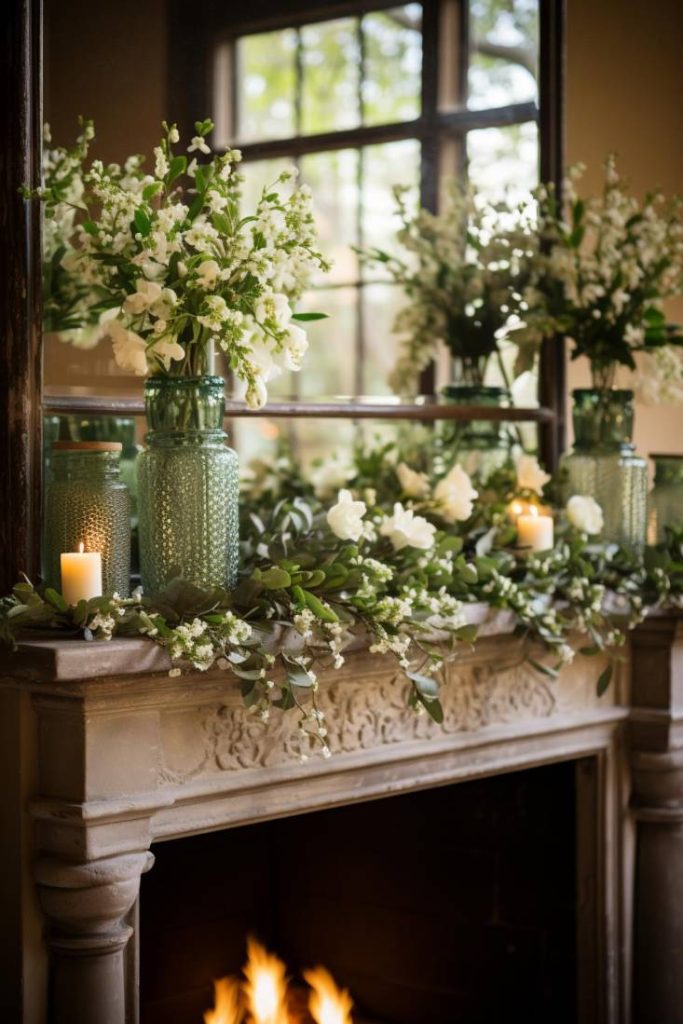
x: 625, y: 94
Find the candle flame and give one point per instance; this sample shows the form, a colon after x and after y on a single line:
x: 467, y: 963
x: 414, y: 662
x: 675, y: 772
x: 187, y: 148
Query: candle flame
x: 266, y: 986
x: 328, y: 1004
x: 533, y: 511
x: 81, y: 547
x: 228, y: 1008
x: 517, y: 508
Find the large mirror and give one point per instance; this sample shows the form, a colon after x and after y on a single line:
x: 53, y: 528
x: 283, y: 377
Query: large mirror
x: 359, y: 97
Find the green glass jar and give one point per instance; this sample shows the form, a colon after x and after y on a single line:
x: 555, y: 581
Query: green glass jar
x: 666, y: 497
x: 605, y: 466
x: 87, y: 503
x: 480, y: 446
x: 188, y: 486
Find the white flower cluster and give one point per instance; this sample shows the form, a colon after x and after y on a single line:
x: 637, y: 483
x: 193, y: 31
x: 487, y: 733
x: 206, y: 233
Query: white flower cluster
x: 606, y: 265
x: 177, y: 267
x: 453, y: 495
x: 459, y: 276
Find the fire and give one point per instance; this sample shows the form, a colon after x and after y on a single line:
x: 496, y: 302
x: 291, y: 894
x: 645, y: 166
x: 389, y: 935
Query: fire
x: 264, y: 997
x: 228, y: 998
x: 266, y: 986
x: 328, y: 1004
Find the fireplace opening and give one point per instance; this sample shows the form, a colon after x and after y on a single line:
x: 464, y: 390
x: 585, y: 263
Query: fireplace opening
x: 442, y: 906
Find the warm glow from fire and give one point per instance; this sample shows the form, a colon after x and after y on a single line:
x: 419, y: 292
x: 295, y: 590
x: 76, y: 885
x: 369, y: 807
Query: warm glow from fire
x: 266, y: 986
x: 81, y: 548
x: 265, y: 997
x: 228, y: 1008
x: 328, y: 1004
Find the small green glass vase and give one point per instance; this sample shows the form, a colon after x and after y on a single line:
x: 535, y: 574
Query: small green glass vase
x: 87, y: 503
x: 188, y: 486
x: 666, y: 497
x: 480, y: 446
x: 605, y: 466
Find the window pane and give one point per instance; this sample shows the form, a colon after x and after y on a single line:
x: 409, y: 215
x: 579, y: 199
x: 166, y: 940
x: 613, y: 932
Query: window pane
x: 503, y: 53
x: 266, y: 74
x: 331, y: 361
x: 381, y: 303
x: 259, y: 174
x: 393, y: 64
x: 333, y: 178
x: 393, y: 163
x: 330, y: 86
x: 503, y: 158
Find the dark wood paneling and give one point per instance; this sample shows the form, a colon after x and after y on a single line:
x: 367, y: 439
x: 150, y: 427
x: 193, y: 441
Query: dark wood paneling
x: 552, y: 375
x: 20, y: 347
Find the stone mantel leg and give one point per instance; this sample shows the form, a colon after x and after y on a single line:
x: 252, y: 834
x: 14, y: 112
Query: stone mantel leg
x: 656, y: 733
x: 85, y: 906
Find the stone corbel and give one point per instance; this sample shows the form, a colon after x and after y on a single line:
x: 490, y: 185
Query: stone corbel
x: 85, y: 906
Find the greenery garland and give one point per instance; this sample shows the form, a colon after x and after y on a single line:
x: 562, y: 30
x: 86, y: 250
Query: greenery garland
x: 317, y: 579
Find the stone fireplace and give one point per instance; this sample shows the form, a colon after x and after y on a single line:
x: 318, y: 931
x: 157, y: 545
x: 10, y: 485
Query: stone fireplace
x: 525, y: 790
x: 414, y: 902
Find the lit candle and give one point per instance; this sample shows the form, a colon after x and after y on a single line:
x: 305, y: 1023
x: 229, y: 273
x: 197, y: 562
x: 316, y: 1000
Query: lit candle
x: 81, y: 575
x: 535, y: 531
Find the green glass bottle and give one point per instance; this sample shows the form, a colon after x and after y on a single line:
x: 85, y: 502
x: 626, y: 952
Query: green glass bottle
x: 666, y: 497
x: 87, y: 503
x: 605, y: 466
x: 480, y: 446
x: 188, y: 486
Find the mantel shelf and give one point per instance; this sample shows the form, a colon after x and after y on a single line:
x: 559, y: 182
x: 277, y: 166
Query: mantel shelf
x: 424, y: 408
x: 45, y: 658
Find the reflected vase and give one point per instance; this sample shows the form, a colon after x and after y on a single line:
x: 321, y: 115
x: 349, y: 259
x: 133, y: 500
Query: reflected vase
x: 87, y: 503
x: 188, y: 486
x: 604, y: 464
x: 480, y: 446
x: 666, y: 497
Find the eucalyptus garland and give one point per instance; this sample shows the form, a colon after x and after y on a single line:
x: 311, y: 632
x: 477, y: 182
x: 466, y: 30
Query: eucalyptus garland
x: 317, y: 579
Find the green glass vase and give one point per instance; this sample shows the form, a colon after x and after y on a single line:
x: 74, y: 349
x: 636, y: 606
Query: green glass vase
x: 87, y: 503
x: 480, y: 446
x: 188, y: 485
x: 605, y: 466
x: 666, y: 497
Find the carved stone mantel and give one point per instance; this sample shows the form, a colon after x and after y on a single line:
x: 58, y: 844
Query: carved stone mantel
x: 112, y: 760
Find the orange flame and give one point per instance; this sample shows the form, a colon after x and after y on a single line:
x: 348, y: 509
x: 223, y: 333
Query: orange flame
x: 228, y: 1008
x: 266, y: 986
x: 328, y: 1004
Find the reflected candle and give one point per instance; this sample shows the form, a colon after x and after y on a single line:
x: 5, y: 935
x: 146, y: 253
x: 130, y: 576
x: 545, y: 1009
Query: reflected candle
x: 535, y: 531
x: 81, y: 575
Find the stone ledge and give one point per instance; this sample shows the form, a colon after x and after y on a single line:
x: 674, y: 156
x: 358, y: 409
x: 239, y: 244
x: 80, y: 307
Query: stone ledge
x: 48, y: 659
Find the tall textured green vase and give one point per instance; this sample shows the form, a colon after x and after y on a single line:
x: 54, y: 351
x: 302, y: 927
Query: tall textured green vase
x: 605, y: 466
x: 480, y: 446
x: 666, y: 497
x: 188, y: 484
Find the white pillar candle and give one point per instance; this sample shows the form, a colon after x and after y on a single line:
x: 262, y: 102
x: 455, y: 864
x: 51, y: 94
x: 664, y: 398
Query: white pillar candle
x: 81, y: 575
x: 534, y: 531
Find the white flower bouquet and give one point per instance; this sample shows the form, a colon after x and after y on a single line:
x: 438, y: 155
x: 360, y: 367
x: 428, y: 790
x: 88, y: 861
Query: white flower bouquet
x: 461, y: 274
x: 169, y: 265
x: 604, y: 267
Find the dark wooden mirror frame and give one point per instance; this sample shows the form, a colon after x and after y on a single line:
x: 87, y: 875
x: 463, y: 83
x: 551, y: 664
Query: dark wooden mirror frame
x: 21, y: 390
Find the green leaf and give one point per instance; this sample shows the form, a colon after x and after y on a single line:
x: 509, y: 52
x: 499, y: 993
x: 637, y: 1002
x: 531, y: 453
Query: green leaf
x: 318, y: 608
x: 304, y: 317
x: 467, y: 634
x: 142, y: 221
x: 426, y: 685
x: 56, y: 600
x: 176, y: 167
x: 149, y: 191
x: 552, y: 673
x: 604, y: 681
x: 589, y: 652
x: 274, y: 578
